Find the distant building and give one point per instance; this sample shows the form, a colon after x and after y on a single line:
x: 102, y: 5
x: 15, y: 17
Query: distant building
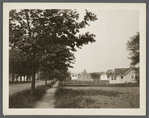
x: 84, y: 76
x: 74, y: 76
x: 124, y: 75
x: 104, y: 77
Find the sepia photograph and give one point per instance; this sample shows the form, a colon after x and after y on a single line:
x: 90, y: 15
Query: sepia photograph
x: 75, y: 58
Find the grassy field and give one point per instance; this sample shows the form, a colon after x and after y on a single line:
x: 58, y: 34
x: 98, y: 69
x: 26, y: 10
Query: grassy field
x: 96, y: 83
x: 97, y: 97
x: 24, y: 99
x: 75, y: 82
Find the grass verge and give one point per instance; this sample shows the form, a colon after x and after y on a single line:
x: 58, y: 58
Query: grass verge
x: 103, y: 85
x: 24, y: 99
x: 123, y: 97
x: 68, y: 98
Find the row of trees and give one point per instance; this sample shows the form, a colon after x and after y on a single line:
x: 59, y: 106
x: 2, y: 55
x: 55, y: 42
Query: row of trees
x: 44, y: 40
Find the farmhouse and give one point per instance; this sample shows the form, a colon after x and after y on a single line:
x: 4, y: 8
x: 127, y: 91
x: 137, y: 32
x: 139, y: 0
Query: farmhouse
x: 84, y: 76
x: 74, y: 76
x: 104, y: 77
x: 124, y: 75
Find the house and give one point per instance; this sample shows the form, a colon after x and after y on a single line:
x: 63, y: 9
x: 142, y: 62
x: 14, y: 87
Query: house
x: 104, y: 77
x: 84, y: 76
x: 74, y: 76
x: 124, y: 75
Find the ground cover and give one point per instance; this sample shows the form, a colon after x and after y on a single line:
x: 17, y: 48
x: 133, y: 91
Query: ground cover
x: 99, y: 83
x: 24, y: 99
x: 20, y: 82
x: 97, y: 97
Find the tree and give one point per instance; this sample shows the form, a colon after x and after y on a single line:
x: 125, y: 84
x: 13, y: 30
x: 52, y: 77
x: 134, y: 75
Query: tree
x: 95, y: 75
x: 133, y: 46
x: 41, y: 33
x: 109, y: 72
x: 18, y: 63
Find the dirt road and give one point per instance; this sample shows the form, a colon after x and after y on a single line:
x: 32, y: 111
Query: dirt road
x: 17, y: 87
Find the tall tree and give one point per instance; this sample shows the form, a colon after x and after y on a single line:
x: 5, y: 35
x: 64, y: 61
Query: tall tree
x: 133, y: 46
x: 41, y: 33
x: 18, y: 63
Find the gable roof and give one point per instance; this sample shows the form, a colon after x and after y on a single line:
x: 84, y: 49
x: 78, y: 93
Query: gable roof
x: 120, y: 71
x: 124, y: 71
x: 103, y: 74
x: 137, y: 70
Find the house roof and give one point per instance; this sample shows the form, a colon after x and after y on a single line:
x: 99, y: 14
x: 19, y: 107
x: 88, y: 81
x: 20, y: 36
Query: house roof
x: 137, y: 70
x: 124, y: 71
x: 120, y: 71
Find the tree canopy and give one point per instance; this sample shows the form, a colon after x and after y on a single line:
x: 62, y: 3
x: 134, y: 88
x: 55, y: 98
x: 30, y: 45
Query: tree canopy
x: 48, y: 37
x: 133, y: 46
x: 95, y: 75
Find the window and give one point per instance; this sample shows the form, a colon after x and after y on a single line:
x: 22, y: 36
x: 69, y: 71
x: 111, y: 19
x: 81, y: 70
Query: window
x: 111, y: 77
x: 114, y: 77
x: 132, y: 77
x: 136, y: 77
x: 121, y: 77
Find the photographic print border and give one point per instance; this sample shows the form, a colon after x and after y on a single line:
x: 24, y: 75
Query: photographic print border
x: 142, y: 24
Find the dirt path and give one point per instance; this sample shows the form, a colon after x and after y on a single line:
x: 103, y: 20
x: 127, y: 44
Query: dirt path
x: 17, y: 87
x: 48, y: 99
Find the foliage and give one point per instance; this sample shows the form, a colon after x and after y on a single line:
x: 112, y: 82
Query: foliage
x: 47, y: 38
x: 95, y: 75
x: 109, y: 72
x: 134, y: 48
x: 18, y: 63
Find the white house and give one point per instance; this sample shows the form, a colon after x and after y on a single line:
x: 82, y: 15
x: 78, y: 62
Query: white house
x: 104, y: 77
x: 84, y: 76
x: 74, y: 76
x: 124, y: 75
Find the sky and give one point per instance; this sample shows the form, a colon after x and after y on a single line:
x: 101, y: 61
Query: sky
x: 112, y: 29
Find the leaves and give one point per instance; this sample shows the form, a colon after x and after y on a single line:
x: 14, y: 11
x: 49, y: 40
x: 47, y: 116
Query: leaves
x: 49, y: 34
x: 133, y: 45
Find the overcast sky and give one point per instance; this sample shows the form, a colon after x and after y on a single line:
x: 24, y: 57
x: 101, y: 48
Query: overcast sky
x: 112, y: 29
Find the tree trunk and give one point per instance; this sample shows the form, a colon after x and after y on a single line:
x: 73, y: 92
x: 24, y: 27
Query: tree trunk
x: 12, y: 77
x: 17, y: 78
x: 33, y: 56
x: 33, y: 75
x: 24, y: 79
x: 45, y: 81
x: 21, y: 78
